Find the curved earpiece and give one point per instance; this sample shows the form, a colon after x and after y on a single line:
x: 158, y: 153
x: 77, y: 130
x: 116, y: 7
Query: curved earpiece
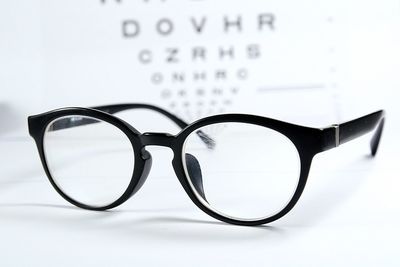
x: 377, y: 137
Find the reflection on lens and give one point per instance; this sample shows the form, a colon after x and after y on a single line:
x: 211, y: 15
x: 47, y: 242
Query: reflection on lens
x: 90, y: 160
x: 250, y: 174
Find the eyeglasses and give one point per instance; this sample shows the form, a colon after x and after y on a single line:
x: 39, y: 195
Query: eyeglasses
x: 240, y: 169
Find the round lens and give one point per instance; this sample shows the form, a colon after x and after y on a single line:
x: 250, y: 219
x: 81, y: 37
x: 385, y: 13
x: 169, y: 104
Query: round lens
x: 91, y: 161
x: 250, y: 173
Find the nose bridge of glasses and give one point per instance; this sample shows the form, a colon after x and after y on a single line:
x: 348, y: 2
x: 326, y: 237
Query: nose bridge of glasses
x: 192, y: 164
x: 157, y: 139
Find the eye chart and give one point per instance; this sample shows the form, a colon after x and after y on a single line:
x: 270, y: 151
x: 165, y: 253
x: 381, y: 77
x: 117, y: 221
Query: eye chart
x: 194, y: 57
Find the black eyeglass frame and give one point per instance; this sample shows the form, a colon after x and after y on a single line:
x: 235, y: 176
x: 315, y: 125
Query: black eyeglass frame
x: 307, y: 140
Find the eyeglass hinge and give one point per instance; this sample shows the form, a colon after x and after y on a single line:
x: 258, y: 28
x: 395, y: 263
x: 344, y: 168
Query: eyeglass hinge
x: 331, y: 137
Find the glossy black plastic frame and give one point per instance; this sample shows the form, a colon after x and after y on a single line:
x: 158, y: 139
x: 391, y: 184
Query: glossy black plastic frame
x: 308, y: 141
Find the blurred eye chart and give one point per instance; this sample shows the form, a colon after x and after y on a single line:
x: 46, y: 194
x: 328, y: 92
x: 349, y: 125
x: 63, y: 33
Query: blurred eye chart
x: 196, y: 58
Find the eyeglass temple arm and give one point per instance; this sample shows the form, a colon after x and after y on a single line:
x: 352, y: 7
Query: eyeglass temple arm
x: 112, y: 109
x: 338, y: 134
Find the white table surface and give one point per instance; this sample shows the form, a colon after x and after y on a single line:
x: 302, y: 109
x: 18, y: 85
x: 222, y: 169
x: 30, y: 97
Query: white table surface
x: 348, y: 215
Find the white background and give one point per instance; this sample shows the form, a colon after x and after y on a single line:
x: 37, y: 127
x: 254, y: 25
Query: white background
x: 348, y: 214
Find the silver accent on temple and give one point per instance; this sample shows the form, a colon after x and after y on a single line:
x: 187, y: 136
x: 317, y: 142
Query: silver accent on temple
x: 337, y: 134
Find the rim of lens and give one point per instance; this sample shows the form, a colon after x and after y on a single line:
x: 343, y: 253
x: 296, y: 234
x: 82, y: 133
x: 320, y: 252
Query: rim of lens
x: 206, y: 204
x: 56, y: 183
